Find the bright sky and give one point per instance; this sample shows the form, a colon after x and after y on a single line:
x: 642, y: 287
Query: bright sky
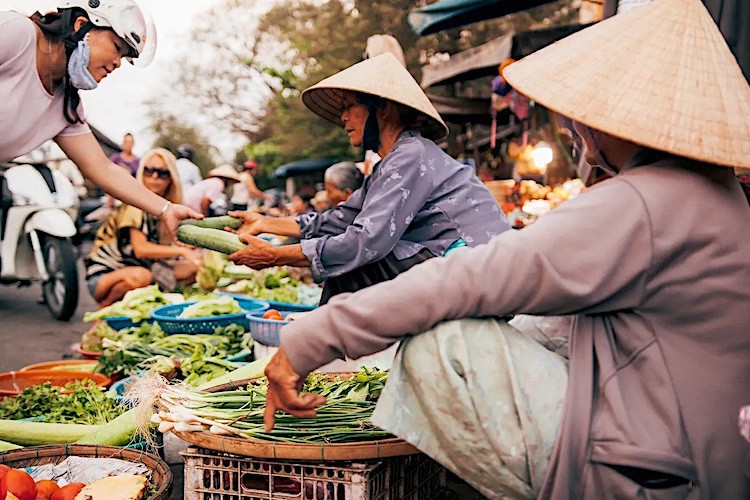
x: 116, y: 106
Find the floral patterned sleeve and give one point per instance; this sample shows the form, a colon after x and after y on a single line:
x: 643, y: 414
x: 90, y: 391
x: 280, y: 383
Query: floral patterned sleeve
x: 398, y: 190
x: 331, y: 222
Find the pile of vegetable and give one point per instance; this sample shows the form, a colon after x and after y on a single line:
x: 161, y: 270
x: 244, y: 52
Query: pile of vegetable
x: 147, y: 347
x: 136, y: 304
x: 206, y: 308
x: 275, y: 284
x: 17, y: 484
x: 79, y: 402
x: 93, y: 338
x: 118, y: 431
x: 345, y: 417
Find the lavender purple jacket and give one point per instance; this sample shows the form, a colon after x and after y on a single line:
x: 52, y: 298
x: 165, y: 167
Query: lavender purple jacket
x: 655, y: 263
x: 417, y: 197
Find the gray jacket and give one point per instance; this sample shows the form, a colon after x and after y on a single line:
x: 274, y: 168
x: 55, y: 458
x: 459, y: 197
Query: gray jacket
x: 655, y: 263
x: 417, y: 197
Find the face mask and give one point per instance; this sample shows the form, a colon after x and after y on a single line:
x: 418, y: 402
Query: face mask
x: 78, y: 67
x: 585, y: 169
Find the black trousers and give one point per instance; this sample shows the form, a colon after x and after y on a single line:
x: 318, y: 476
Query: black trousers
x: 373, y: 273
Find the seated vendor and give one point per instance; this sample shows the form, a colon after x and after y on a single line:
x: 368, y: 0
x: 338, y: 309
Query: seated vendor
x: 660, y: 342
x: 132, y: 249
x: 341, y: 180
x: 418, y: 203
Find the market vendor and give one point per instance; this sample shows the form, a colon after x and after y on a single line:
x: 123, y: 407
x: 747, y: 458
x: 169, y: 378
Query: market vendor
x: 419, y: 203
x: 660, y: 345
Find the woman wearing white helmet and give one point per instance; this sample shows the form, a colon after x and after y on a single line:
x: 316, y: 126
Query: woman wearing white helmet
x: 46, y: 60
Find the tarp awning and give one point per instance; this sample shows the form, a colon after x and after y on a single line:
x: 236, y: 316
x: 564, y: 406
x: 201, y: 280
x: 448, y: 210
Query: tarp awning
x: 462, y: 110
x: 469, y: 64
x: 303, y: 167
x: 484, y: 59
x: 447, y: 14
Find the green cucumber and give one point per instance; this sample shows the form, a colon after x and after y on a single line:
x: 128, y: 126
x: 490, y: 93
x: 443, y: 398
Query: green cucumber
x: 213, y: 239
x: 118, y: 432
x: 38, y: 433
x: 214, y: 222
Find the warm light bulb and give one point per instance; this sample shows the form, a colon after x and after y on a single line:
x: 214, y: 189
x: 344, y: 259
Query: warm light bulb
x: 542, y: 156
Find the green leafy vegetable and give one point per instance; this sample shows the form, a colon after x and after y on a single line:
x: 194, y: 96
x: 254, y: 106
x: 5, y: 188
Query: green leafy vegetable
x: 92, y: 339
x: 136, y: 304
x: 212, y: 307
x: 79, y: 402
x: 164, y: 353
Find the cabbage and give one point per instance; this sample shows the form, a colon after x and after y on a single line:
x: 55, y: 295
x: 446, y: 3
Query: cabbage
x: 212, y: 307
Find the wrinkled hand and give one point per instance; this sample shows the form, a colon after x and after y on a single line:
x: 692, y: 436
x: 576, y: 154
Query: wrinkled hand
x: 252, y: 224
x: 175, y: 213
x: 258, y: 254
x: 284, y: 386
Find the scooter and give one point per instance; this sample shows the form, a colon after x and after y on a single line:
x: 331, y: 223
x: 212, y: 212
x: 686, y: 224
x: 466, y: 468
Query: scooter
x: 38, y: 207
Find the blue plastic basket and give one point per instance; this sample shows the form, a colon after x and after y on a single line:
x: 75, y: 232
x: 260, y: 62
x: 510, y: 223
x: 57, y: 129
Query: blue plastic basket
x: 120, y: 387
x: 121, y: 322
x: 283, y: 306
x: 266, y: 331
x: 167, y: 317
x: 288, y: 306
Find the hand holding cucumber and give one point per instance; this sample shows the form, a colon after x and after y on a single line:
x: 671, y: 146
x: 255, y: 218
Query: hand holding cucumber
x: 252, y: 224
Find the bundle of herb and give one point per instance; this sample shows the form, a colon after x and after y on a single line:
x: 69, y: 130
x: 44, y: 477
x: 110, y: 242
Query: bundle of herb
x: 79, y: 402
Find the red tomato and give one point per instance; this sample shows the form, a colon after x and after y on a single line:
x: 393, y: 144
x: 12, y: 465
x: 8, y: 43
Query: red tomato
x: 273, y: 314
x: 19, y: 483
x: 45, y: 488
x: 67, y: 492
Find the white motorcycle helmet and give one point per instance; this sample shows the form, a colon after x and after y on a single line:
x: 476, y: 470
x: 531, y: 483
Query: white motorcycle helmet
x: 127, y: 20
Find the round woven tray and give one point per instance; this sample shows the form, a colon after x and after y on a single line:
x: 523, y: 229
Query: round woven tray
x: 33, y: 456
x: 257, y: 448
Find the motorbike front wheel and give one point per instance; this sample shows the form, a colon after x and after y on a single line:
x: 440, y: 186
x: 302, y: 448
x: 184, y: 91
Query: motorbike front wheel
x: 61, y: 291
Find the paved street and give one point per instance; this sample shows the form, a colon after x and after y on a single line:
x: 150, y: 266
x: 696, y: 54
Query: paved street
x: 28, y: 331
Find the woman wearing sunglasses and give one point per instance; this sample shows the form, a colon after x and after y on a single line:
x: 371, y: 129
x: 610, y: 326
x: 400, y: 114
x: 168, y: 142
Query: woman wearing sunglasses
x: 133, y: 249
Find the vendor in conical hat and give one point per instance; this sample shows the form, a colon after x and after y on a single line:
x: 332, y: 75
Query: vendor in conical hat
x: 418, y: 203
x: 653, y: 262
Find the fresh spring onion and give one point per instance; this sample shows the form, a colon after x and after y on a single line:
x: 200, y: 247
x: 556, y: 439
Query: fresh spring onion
x: 345, y: 417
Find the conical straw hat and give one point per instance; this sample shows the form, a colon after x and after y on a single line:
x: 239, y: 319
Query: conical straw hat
x: 660, y: 75
x: 382, y: 76
x: 226, y: 172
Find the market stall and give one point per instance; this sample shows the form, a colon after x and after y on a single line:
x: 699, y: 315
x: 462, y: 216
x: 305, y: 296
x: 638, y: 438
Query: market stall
x: 196, y: 356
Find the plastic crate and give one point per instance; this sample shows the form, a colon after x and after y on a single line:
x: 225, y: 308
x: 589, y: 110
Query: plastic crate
x: 211, y: 475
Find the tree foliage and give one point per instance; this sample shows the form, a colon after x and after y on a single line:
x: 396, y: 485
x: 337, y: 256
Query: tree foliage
x: 246, y: 65
x: 170, y: 133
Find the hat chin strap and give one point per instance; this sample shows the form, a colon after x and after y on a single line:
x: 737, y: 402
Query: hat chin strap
x: 371, y: 133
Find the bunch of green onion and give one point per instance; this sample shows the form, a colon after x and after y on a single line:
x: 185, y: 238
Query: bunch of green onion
x: 344, y: 418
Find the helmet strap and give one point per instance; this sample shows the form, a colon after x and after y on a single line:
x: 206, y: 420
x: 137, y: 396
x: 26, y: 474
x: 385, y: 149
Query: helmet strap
x: 71, y: 37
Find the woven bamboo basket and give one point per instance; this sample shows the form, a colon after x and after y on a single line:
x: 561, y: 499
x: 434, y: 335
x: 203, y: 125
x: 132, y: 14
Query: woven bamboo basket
x: 161, y: 476
x: 257, y: 448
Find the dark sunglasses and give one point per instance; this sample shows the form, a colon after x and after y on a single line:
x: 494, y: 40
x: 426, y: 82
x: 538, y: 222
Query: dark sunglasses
x: 161, y: 173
